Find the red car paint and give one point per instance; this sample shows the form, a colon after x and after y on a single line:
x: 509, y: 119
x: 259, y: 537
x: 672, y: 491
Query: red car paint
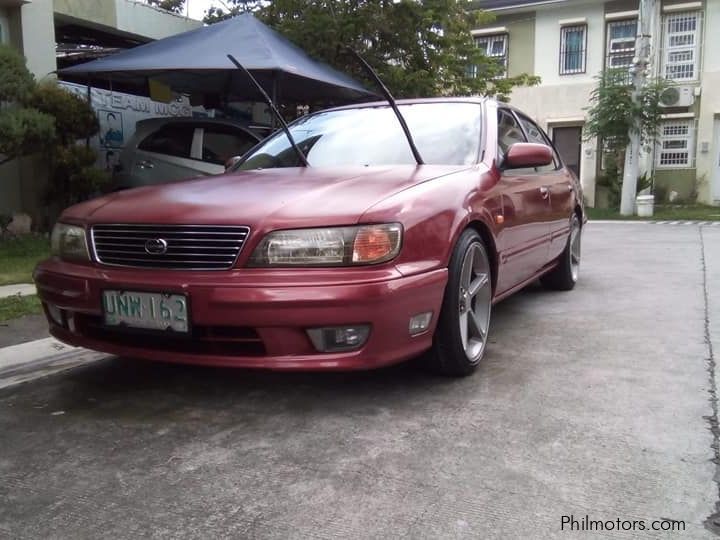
x: 257, y: 317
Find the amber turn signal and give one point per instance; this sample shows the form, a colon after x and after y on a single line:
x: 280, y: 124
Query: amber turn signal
x: 376, y: 243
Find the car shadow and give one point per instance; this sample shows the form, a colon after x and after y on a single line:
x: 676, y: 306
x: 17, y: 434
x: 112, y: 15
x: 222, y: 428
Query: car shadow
x: 127, y: 386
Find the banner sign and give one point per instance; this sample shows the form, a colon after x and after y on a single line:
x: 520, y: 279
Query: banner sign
x: 118, y: 113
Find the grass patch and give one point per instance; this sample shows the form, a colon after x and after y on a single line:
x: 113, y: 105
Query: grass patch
x: 13, y: 307
x: 19, y: 255
x: 696, y: 212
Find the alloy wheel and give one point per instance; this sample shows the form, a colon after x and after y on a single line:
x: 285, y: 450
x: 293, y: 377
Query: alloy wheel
x: 475, y: 298
x: 575, y: 248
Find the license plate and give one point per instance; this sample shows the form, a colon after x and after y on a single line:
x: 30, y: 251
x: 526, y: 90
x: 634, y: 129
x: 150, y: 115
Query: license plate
x: 155, y: 311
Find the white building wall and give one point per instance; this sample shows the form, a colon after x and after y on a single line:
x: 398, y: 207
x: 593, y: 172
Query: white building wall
x: 127, y: 16
x: 38, y: 37
x: 141, y: 19
x: 547, y: 42
x: 708, y: 185
x: 560, y: 100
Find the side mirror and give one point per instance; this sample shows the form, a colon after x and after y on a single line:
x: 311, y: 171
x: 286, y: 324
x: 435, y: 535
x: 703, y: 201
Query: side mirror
x: 230, y: 163
x: 525, y: 155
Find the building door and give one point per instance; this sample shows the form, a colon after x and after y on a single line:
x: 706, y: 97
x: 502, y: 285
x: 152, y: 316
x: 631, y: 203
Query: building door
x: 568, y: 140
x: 716, y: 162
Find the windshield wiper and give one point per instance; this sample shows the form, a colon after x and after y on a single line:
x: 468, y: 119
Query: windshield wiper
x: 391, y: 100
x: 277, y: 114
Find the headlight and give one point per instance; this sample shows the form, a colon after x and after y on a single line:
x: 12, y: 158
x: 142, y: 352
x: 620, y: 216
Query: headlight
x: 337, y: 246
x: 69, y: 242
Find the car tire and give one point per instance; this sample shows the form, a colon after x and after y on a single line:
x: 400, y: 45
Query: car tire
x: 461, y: 335
x: 565, y: 275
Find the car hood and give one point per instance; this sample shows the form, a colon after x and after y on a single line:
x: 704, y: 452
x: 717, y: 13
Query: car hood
x: 269, y: 198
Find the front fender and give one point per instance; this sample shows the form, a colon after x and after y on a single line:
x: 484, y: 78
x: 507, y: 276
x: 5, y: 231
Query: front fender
x: 433, y: 215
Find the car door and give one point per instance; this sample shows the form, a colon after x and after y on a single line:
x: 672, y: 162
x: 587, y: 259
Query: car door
x: 219, y: 143
x: 559, y: 181
x: 524, y: 237
x: 164, y: 156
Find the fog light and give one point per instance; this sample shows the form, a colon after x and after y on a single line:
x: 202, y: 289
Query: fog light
x: 339, y: 338
x: 55, y: 314
x: 419, y: 323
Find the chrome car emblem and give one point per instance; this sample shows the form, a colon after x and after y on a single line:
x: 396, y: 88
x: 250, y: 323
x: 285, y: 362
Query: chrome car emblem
x: 156, y: 246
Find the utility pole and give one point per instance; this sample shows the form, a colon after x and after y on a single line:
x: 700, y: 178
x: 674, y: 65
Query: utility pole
x: 639, y: 73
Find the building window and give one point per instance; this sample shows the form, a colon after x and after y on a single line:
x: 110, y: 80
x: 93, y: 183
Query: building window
x: 573, y: 48
x: 681, y: 46
x: 495, y: 46
x: 621, y: 36
x: 676, y: 145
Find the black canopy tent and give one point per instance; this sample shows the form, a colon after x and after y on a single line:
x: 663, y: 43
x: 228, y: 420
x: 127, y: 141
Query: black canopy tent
x: 196, y: 63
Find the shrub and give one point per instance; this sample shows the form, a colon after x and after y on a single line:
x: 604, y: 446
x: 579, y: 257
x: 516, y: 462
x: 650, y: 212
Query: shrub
x: 16, y: 82
x: 25, y: 131
x: 74, y: 117
x: 74, y: 175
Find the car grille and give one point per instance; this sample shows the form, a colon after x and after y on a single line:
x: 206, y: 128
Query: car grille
x: 174, y: 247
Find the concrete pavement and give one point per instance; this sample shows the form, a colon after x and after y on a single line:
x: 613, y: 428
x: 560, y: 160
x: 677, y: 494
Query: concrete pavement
x: 39, y: 358
x: 595, y: 402
x: 19, y: 289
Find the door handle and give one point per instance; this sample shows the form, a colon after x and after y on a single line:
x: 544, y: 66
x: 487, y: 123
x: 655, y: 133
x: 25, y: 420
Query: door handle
x: 545, y: 192
x: 145, y: 164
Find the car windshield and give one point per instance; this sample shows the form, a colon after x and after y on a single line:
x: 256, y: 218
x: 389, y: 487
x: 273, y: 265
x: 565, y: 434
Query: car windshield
x: 445, y: 133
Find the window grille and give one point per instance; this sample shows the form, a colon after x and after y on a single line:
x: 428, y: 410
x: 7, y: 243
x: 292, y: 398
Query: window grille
x: 681, y: 45
x: 676, y: 145
x: 573, y: 49
x: 494, y: 46
x: 621, y: 36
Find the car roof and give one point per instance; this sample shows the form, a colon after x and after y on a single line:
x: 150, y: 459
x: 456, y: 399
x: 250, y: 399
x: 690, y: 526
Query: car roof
x: 413, y: 101
x: 152, y: 122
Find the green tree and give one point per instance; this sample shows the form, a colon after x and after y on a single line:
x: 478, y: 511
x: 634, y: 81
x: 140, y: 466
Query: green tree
x: 74, y: 176
x: 47, y: 118
x: 74, y: 118
x: 419, y: 48
x: 612, y: 115
x: 23, y: 129
x: 173, y: 6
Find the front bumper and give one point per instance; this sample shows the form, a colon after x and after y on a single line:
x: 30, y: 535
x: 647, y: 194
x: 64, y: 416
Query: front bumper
x: 249, y: 317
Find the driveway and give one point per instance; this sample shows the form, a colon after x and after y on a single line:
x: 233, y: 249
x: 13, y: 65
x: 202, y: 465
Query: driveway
x: 591, y: 403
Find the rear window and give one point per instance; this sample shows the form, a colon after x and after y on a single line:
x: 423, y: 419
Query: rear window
x: 445, y: 133
x: 172, y: 140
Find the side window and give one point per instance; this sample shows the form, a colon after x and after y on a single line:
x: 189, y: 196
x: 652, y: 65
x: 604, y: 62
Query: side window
x: 509, y: 131
x: 220, y: 143
x: 172, y: 140
x: 535, y: 134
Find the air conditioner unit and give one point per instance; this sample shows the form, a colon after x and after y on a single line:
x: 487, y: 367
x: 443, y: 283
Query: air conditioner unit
x: 677, y: 96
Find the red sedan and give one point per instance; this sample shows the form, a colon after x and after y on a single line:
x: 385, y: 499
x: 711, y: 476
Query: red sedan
x: 360, y: 259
